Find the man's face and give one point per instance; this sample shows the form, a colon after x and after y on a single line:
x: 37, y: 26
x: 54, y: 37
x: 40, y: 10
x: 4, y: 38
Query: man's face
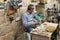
x: 31, y: 11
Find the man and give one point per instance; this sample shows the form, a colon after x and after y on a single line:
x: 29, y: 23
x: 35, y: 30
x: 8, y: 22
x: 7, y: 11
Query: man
x: 28, y: 20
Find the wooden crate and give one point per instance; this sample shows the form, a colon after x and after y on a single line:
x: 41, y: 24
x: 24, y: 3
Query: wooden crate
x: 38, y: 34
x: 40, y: 37
x: 44, y: 37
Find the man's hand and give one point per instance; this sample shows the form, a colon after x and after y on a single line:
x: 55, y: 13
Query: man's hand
x: 35, y: 23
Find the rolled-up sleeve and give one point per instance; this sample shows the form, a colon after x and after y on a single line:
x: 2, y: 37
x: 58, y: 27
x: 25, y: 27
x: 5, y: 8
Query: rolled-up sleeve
x: 25, y: 22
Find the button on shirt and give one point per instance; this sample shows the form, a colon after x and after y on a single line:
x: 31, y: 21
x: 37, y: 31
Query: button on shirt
x: 27, y: 19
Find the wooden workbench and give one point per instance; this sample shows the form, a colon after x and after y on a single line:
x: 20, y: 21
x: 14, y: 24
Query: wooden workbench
x: 44, y: 35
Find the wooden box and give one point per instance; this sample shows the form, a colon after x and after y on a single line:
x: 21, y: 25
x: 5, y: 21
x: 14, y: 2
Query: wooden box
x: 38, y: 34
x: 40, y: 37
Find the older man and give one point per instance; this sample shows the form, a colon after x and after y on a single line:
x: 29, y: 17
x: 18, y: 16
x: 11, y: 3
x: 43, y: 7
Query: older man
x: 28, y: 20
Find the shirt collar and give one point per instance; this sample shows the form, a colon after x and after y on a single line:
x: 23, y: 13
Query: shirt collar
x: 28, y: 13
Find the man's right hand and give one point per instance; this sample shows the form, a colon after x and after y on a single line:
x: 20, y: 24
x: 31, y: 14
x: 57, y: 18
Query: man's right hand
x: 35, y: 23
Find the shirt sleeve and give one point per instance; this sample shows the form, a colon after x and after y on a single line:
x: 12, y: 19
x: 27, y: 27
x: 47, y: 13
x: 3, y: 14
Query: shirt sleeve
x: 25, y: 22
x: 35, y: 20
